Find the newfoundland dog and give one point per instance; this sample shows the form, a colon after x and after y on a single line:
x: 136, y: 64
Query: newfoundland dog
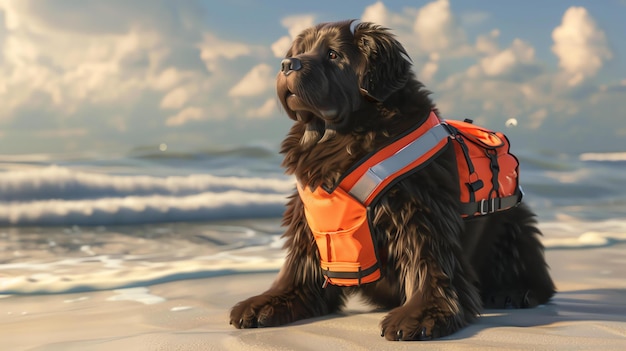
x: 350, y: 91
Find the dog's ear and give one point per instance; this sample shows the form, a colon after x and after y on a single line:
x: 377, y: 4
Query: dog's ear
x: 387, y: 65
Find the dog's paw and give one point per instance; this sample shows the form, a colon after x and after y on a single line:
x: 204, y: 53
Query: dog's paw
x: 260, y: 311
x: 404, y: 325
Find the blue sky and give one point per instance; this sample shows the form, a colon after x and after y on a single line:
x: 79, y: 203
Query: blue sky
x: 108, y: 77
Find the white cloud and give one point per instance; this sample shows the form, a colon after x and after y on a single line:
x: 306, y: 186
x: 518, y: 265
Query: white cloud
x: 259, y: 80
x: 123, y: 72
x: 487, y: 44
x: 619, y: 87
x: 74, y: 70
x: 377, y: 13
x: 400, y: 23
x: 429, y: 69
x: 503, y: 83
x: 499, y: 63
x: 96, y: 18
x: 506, y: 62
x: 436, y: 27
x: 580, y: 45
x: 281, y: 46
x: 175, y: 99
x: 213, y: 48
x: 268, y: 109
x: 432, y: 28
x: 62, y: 133
x: 187, y: 115
x: 294, y: 25
x: 169, y: 78
x: 127, y: 72
x: 537, y: 118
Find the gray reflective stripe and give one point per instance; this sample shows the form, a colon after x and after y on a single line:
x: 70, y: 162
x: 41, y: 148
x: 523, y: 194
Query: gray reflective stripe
x: 368, y: 182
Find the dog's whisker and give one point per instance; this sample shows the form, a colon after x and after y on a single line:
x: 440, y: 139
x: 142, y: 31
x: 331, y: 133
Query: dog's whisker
x: 328, y: 134
x: 310, y: 136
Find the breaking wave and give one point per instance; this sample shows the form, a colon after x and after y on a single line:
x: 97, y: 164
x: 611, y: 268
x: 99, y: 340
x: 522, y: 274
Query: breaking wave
x: 61, y: 196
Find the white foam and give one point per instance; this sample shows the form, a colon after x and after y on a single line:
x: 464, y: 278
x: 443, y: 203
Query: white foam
x: 61, y: 182
x: 95, y: 273
x: 585, y: 240
x: 603, y: 156
x: 56, y: 195
x: 79, y: 299
x: 104, y: 272
x: 569, y: 233
x: 140, y: 209
x: 180, y: 308
x: 140, y: 294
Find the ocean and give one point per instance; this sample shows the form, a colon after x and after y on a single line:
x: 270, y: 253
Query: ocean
x: 84, y: 222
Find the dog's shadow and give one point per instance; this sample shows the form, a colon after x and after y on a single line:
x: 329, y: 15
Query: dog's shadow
x: 568, y: 306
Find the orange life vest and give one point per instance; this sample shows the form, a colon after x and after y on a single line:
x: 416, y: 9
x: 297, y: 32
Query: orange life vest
x: 340, y: 218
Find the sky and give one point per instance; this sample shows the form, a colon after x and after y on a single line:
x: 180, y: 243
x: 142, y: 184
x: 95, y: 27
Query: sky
x: 115, y: 76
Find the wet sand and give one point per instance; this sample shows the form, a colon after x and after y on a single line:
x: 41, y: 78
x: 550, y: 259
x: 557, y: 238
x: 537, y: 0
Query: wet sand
x: 588, y: 313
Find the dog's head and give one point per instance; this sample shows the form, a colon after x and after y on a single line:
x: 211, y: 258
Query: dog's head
x: 333, y: 69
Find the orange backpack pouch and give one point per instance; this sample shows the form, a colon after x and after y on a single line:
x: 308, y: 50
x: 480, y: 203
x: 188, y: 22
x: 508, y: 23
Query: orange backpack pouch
x: 486, y: 168
x: 339, y: 224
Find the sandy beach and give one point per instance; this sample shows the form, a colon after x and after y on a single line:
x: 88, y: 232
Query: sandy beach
x: 588, y: 313
x: 148, y: 150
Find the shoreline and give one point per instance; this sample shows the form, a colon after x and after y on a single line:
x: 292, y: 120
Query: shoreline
x: 588, y: 312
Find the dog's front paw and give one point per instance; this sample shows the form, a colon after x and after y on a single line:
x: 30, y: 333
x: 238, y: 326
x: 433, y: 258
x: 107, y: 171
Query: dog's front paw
x: 259, y: 311
x: 401, y: 324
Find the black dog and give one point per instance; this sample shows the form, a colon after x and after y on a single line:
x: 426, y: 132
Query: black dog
x: 350, y: 90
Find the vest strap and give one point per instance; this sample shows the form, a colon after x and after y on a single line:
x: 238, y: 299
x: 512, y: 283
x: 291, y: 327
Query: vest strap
x: 487, y: 206
x: 351, y: 275
x: 368, y: 183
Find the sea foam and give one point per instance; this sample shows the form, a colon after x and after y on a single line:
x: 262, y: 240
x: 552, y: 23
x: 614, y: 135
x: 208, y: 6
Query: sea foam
x: 61, y: 196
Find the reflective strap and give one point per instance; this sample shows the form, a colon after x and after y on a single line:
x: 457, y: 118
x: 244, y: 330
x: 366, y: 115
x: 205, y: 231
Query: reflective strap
x: 376, y: 174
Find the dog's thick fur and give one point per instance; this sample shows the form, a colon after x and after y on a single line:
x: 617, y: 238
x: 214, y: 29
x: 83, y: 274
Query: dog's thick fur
x: 350, y: 91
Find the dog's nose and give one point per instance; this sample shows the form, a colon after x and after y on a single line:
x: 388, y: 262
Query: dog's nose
x: 289, y: 65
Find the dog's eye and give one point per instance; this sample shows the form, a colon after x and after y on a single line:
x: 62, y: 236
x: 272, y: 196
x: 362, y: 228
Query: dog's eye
x: 333, y: 55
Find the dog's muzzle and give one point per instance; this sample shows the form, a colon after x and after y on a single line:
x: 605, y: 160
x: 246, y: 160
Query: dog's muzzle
x: 289, y: 65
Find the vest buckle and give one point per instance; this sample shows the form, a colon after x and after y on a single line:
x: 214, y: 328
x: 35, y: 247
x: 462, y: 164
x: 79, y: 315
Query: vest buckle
x: 487, y: 206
